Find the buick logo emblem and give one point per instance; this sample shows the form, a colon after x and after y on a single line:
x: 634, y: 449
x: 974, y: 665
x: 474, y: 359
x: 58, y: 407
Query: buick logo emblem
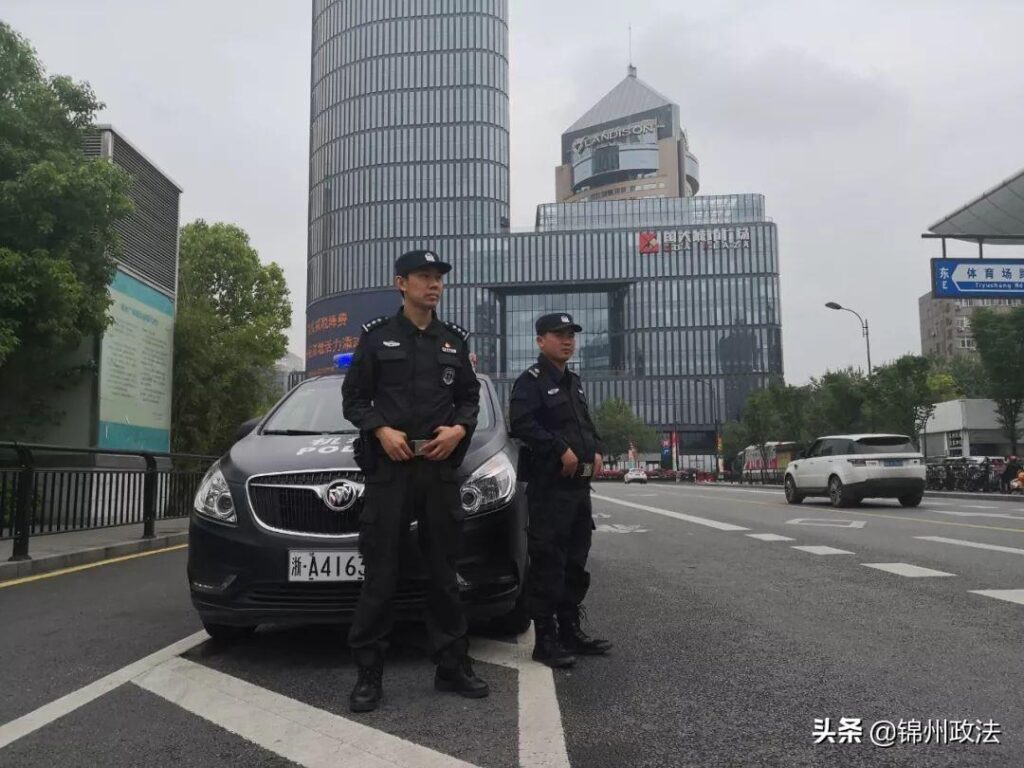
x: 341, y: 496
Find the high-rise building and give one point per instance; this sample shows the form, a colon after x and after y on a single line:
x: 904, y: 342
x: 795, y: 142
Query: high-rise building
x: 629, y: 145
x: 409, y: 141
x: 678, y: 294
x: 946, y: 324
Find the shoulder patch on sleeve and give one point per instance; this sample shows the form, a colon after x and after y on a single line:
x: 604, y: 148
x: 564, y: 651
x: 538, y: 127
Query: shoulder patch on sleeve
x: 459, y: 331
x: 375, y: 323
x: 534, y: 371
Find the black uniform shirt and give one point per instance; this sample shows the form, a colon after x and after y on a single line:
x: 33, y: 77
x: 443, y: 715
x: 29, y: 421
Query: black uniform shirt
x: 548, y: 411
x: 412, y: 380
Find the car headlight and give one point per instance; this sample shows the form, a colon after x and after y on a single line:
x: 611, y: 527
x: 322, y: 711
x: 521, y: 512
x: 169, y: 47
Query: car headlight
x: 213, y: 499
x: 490, y: 486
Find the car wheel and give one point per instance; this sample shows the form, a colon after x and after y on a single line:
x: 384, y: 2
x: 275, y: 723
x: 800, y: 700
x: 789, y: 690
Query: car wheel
x: 515, y: 622
x: 838, y: 494
x: 225, y: 633
x: 912, y: 500
x: 792, y: 495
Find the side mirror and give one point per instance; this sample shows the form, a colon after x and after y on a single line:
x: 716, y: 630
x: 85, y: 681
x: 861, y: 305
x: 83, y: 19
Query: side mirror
x: 801, y: 454
x: 246, y: 427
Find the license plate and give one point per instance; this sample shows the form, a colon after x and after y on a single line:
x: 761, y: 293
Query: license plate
x: 894, y: 462
x: 325, y: 565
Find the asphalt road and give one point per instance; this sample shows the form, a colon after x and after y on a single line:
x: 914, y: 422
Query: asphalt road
x: 730, y: 642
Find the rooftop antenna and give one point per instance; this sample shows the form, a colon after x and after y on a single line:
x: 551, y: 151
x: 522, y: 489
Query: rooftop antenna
x: 631, y: 70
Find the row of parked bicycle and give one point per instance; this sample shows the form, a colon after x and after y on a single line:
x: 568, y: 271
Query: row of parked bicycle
x: 976, y: 474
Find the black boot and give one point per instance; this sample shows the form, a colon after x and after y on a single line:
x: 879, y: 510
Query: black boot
x: 366, y: 696
x: 455, y: 672
x: 547, y: 649
x: 574, y: 639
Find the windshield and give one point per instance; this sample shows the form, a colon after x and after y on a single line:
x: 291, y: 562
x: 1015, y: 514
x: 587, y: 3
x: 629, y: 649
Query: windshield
x: 895, y: 444
x: 314, y: 407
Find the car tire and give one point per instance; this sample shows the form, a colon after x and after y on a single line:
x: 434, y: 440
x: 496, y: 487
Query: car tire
x: 792, y: 495
x: 838, y: 494
x: 912, y: 500
x: 515, y: 622
x: 226, y: 633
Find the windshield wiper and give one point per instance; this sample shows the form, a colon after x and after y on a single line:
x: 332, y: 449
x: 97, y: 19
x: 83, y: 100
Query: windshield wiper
x: 343, y: 432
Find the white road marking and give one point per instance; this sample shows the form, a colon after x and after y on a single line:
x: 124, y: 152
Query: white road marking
x: 769, y: 537
x: 954, y: 513
x: 296, y: 731
x: 46, y: 714
x: 1009, y: 595
x: 619, y: 528
x: 975, y: 544
x: 817, y: 550
x: 979, y: 506
x: 676, y: 515
x: 541, y: 737
x: 827, y: 523
x: 906, y: 569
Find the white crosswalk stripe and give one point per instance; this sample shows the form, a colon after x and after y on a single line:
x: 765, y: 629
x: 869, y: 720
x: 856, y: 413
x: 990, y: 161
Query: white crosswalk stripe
x: 769, y: 537
x: 906, y: 569
x: 1010, y: 595
x: 819, y: 550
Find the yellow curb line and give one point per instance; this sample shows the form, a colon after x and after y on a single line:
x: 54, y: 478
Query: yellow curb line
x: 76, y: 568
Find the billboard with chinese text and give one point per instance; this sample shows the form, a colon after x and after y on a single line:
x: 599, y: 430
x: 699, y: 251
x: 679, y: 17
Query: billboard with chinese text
x: 335, y: 324
x: 135, y: 368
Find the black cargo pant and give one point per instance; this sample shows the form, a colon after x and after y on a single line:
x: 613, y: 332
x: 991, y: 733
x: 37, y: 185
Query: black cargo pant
x: 399, y: 493
x: 558, y: 540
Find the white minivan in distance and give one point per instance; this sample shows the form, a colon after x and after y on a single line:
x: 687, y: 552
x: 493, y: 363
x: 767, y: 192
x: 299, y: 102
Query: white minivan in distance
x: 850, y: 468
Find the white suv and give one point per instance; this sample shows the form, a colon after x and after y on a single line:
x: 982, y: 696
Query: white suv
x: 636, y: 476
x: 849, y: 468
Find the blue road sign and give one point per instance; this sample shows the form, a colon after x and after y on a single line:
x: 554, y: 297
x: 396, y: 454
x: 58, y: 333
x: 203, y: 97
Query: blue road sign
x: 975, y: 278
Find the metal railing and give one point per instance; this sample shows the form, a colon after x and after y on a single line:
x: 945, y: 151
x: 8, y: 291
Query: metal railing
x: 48, y: 489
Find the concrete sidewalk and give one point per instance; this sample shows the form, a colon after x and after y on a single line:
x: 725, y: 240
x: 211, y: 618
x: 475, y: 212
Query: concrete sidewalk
x: 51, y: 552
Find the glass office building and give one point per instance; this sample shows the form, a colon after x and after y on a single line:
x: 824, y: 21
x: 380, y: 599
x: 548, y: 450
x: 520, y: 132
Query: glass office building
x: 678, y: 295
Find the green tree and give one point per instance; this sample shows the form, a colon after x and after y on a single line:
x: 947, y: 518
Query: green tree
x: 619, y: 427
x: 901, y: 396
x: 1000, y: 340
x: 762, y: 422
x: 57, y: 215
x: 968, y: 374
x: 836, y: 404
x: 229, y: 331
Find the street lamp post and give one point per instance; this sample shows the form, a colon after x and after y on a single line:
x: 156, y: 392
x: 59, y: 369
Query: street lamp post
x: 863, y: 327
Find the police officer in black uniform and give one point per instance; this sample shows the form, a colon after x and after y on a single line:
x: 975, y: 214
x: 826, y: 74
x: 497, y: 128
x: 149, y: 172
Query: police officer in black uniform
x: 549, y: 413
x: 412, y: 392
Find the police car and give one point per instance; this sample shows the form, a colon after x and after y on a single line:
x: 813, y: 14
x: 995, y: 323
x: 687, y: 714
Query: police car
x: 275, y: 524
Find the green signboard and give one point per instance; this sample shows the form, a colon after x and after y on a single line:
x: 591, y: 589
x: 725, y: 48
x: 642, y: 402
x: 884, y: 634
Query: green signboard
x: 135, y: 368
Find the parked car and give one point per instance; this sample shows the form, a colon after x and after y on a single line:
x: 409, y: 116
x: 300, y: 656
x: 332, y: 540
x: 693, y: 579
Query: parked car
x: 635, y: 476
x: 849, y: 468
x: 275, y: 526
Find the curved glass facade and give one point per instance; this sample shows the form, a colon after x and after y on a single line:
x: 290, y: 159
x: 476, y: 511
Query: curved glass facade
x: 408, y: 131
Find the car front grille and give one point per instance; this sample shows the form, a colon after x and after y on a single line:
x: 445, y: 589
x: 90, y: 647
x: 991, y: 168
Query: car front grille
x: 289, y: 503
x: 333, y: 596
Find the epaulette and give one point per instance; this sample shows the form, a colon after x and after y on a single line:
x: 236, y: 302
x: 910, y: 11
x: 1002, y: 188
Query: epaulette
x: 459, y: 331
x: 375, y: 323
x: 535, y: 372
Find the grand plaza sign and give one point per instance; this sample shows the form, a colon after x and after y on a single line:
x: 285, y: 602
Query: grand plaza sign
x: 671, y: 241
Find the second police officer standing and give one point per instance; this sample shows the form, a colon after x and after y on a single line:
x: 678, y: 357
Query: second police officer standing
x: 549, y: 413
x: 412, y: 392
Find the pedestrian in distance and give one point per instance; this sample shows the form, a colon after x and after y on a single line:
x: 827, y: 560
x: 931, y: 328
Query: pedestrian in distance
x: 412, y: 392
x: 549, y: 413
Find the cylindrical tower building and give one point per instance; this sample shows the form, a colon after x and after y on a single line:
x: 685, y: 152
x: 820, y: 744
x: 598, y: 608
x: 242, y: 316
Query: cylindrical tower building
x: 409, y: 147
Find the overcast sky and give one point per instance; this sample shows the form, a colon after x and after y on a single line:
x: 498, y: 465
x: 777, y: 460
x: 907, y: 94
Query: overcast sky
x: 862, y: 122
